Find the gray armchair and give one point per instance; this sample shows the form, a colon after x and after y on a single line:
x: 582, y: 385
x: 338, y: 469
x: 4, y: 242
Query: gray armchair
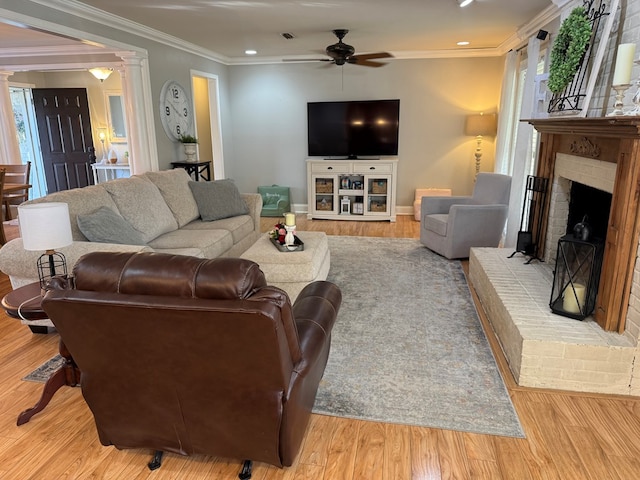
x: 450, y: 226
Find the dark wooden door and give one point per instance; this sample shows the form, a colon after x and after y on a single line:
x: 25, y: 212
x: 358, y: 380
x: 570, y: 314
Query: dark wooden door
x: 64, y: 129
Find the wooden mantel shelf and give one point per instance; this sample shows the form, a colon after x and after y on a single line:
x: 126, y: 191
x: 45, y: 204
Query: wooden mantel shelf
x: 618, y: 127
x: 609, y: 139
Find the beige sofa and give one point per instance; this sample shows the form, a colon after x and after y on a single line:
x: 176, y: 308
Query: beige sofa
x: 164, y: 215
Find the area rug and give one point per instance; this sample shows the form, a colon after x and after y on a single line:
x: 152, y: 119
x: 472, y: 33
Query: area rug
x: 408, y: 346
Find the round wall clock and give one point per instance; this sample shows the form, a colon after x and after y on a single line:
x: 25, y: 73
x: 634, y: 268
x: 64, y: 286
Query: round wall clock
x: 176, y: 110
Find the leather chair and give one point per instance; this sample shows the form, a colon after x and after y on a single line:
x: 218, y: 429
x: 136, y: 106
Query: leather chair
x: 194, y: 356
x: 450, y: 226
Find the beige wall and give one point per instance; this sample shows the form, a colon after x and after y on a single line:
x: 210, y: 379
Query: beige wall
x: 203, y: 118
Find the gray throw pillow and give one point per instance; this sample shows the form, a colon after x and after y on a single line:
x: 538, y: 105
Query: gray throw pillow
x: 106, y: 226
x: 218, y: 199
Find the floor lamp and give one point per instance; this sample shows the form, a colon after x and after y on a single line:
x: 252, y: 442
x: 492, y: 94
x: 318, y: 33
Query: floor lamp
x: 480, y: 125
x: 45, y: 227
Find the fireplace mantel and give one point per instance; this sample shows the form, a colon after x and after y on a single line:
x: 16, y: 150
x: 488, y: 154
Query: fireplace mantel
x: 609, y: 139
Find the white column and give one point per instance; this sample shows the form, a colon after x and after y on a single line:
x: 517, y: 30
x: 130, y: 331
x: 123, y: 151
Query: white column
x: 136, y: 93
x: 9, y: 146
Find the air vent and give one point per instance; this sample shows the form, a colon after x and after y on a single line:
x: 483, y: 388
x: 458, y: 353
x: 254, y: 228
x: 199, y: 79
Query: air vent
x: 288, y: 36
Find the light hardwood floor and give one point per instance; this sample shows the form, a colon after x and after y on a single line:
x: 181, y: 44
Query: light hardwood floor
x: 568, y: 435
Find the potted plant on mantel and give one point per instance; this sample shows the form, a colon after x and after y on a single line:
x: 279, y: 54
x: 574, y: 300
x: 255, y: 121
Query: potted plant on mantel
x: 190, y: 146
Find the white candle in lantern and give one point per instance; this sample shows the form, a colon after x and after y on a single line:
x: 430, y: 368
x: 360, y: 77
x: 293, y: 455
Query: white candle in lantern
x: 624, y: 63
x: 289, y: 219
x: 569, y: 303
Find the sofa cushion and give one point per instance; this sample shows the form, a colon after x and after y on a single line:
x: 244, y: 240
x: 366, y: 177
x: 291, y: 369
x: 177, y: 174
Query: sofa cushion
x: 437, y: 223
x: 140, y: 203
x: 81, y: 201
x: 174, y: 188
x: 106, y: 226
x: 218, y: 199
x: 212, y: 243
x: 240, y: 226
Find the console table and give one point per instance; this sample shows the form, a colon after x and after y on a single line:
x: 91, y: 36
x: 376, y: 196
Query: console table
x: 26, y: 302
x: 103, y: 172
x: 199, y: 170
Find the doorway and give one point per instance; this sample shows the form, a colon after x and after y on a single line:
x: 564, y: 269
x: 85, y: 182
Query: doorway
x: 25, y: 120
x: 206, y: 100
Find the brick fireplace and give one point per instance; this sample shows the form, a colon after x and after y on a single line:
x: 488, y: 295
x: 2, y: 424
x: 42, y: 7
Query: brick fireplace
x: 547, y: 350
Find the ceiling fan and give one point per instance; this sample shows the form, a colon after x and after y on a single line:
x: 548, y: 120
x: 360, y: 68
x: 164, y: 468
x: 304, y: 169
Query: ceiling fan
x: 342, y: 53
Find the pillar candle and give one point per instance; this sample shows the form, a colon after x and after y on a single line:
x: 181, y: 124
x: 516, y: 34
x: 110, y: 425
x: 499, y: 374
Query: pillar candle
x: 624, y: 63
x: 289, y: 219
x: 569, y: 303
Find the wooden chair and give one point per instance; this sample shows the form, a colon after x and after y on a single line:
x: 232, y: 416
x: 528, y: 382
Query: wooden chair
x: 3, y: 240
x: 15, y: 174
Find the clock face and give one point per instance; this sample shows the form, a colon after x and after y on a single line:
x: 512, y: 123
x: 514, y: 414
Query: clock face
x: 175, y: 110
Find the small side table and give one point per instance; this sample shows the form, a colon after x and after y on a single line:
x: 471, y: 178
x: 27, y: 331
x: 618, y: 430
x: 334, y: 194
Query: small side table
x: 26, y: 302
x: 199, y: 170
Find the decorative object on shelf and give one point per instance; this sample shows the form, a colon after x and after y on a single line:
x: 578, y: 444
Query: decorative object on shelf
x: 345, y: 205
x: 575, y: 96
x: 46, y: 226
x: 113, y: 157
x: 635, y: 111
x: 176, y: 110
x: 190, y: 144
x: 480, y: 125
x: 101, y: 73
x: 568, y: 49
x: 622, y: 76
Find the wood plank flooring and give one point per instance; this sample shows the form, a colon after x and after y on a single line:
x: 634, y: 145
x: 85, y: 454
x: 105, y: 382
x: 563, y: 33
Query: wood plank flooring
x: 568, y: 435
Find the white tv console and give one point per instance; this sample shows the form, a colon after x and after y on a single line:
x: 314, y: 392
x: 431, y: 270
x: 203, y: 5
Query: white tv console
x: 352, y: 189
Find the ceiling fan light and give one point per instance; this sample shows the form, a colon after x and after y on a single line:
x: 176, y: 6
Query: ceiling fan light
x: 464, y: 3
x: 101, y: 73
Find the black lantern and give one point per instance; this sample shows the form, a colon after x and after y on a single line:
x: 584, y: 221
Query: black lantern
x: 576, y: 277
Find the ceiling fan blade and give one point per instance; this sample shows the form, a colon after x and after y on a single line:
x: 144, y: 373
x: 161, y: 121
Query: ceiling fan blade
x: 365, y: 63
x: 371, y: 56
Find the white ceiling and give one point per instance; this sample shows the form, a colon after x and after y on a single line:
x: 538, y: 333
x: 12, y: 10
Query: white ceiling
x: 406, y: 28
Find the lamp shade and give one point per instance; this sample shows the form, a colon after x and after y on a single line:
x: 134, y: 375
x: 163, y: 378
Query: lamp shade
x: 45, y: 226
x: 480, y: 124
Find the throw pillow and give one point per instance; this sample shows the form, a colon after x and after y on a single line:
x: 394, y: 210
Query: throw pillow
x: 218, y: 199
x: 106, y: 226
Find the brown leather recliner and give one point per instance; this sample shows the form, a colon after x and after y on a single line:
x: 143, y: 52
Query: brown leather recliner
x: 193, y: 356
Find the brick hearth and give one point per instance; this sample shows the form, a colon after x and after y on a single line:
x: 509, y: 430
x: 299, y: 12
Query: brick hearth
x: 545, y: 350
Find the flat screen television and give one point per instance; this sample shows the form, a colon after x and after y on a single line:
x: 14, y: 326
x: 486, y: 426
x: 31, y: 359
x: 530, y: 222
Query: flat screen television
x: 353, y: 129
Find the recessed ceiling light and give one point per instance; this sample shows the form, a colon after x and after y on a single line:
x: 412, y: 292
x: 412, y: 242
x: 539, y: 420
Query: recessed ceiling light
x: 464, y: 3
x: 250, y: 52
x: 462, y: 44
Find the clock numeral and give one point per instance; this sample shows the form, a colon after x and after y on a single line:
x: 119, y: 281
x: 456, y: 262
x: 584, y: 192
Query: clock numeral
x: 175, y: 92
x: 186, y: 112
x: 178, y: 131
x: 167, y: 111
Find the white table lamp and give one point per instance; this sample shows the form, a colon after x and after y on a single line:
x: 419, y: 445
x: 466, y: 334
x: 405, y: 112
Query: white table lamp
x: 45, y: 227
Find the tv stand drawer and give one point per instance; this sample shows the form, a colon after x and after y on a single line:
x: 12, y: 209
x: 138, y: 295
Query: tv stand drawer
x: 334, y: 167
x: 372, y: 167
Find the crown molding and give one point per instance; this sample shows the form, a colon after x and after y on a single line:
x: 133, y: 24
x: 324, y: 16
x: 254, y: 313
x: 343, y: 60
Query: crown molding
x: 87, y: 12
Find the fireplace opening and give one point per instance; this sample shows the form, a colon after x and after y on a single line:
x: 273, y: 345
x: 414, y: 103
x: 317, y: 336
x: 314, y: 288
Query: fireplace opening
x: 592, y: 202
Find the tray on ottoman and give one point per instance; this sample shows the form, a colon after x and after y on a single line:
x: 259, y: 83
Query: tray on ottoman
x: 292, y: 272
x: 298, y: 245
